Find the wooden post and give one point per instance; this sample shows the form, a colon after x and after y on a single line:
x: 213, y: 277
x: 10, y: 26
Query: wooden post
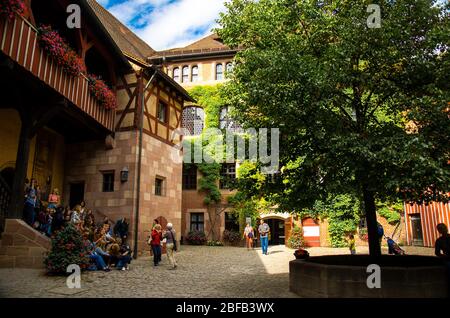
x: 23, y: 152
x: 32, y: 121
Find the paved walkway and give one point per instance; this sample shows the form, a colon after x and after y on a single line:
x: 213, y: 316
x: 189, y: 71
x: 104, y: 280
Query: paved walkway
x: 203, y: 271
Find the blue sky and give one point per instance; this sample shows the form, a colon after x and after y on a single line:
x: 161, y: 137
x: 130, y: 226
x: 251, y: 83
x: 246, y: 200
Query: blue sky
x: 165, y: 24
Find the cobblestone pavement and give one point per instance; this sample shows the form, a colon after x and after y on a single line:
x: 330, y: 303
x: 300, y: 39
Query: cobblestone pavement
x: 220, y: 272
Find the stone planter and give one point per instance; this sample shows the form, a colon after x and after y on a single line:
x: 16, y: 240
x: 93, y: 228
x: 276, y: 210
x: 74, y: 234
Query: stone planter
x: 345, y: 276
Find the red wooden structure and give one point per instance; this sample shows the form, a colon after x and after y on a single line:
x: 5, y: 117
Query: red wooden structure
x: 421, y: 221
x: 19, y: 41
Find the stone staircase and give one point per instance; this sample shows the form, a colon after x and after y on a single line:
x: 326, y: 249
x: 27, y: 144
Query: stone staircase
x: 21, y: 246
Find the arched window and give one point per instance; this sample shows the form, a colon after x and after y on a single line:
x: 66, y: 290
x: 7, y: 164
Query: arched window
x: 229, y: 68
x: 193, y: 120
x: 194, y: 74
x: 185, y: 74
x: 219, y: 72
x: 176, y: 74
x: 225, y: 120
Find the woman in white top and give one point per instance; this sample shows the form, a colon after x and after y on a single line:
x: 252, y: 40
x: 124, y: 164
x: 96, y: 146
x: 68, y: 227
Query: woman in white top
x: 249, y: 234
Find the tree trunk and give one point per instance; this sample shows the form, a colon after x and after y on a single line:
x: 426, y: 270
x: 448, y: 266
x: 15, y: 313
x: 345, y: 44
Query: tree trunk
x: 372, y: 228
x: 23, y: 152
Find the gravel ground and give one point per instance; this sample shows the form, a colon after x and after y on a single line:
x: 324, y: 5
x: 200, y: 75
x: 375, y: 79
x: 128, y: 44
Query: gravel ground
x: 219, y: 272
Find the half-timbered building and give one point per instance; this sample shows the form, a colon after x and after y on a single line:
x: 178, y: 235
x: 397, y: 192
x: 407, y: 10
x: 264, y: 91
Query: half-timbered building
x: 53, y: 127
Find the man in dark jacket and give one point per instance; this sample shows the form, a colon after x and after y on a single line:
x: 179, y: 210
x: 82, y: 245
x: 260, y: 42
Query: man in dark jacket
x: 442, y: 245
x: 121, y: 229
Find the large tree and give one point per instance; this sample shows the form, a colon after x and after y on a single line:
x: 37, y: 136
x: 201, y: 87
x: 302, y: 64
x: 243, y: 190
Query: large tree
x: 361, y: 110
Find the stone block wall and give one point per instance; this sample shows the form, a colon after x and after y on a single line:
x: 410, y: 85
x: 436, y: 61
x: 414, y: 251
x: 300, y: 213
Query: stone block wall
x: 86, y: 162
x: 22, y: 247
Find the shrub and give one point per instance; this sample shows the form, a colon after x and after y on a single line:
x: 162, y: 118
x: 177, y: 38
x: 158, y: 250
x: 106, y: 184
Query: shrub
x: 10, y: 7
x: 67, y: 249
x: 196, y: 237
x: 231, y: 236
x: 296, y: 239
x: 214, y: 243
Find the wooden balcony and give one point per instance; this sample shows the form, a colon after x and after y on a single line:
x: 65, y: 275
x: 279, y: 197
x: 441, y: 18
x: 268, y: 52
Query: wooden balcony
x: 19, y: 40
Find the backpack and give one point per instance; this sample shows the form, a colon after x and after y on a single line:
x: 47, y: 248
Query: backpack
x: 174, y: 241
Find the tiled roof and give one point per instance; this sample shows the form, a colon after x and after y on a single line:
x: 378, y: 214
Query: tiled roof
x: 210, y: 44
x: 125, y: 39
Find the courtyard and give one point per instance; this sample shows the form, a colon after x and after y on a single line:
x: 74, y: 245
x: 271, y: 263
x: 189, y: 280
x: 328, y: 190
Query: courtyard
x: 203, y: 272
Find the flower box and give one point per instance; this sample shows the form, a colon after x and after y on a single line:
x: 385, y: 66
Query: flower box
x: 101, y: 92
x: 9, y: 8
x: 55, y: 46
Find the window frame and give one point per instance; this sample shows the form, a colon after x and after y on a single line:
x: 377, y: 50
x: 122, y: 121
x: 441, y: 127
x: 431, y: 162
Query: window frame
x: 161, y: 188
x: 221, y: 72
x: 197, y: 222
x: 185, y: 75
x: 227, y: 175
x: 110, y: 183
x: 176, y: 74
x: 166, y: 115
x: 194, y: 75
x: 186, y: 123
x: 189, y: 178
x: 228, y: 68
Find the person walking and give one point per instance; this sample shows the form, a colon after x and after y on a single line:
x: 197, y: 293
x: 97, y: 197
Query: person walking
x: 171, y: 245
x: 156, y: 244
x: 248, y: 235
x: 264, y: 230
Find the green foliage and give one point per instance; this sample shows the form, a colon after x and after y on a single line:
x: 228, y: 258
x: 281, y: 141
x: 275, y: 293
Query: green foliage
x: 67, y: 249
x: 208, y: 182
x: 391, y: 211
x: 214, y: 243
x: 248, y: 200
x: 296, y: 239
x: 196, y: 238
x: 210, y: 99
x: 343, y: 214
x: 344, y: 97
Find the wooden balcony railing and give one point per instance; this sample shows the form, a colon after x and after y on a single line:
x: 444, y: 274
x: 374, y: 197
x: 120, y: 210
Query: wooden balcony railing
x: 19, y: 40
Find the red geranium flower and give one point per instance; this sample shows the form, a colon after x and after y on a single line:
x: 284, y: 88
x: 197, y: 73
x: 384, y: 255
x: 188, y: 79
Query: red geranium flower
x: 11, y: 7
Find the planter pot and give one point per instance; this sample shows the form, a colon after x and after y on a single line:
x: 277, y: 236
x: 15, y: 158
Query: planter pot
x: 345, y: 276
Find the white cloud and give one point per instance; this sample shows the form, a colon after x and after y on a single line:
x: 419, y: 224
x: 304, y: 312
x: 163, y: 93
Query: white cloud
x: 170, y: 23
x: 103, y: 2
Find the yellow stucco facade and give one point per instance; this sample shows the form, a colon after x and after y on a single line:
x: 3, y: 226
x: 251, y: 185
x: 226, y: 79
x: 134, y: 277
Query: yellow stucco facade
x: 43, y: 162
x: 206, y: 71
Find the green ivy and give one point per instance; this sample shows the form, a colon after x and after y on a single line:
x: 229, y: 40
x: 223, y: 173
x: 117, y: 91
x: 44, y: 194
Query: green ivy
x: 208, y: 182
x: 343, y: 214
x: 391, y: 211
x: 210, y: 99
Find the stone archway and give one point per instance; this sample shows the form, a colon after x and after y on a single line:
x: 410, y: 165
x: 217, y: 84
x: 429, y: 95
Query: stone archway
x: 7, y: 174
x: 280, y: 227
x: 162, y: 221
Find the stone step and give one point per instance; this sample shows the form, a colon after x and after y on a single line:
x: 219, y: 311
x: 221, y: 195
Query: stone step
x: 7, y: 261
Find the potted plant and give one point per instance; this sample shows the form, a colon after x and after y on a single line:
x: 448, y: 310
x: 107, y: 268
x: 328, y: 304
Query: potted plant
x: 301, y: 254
